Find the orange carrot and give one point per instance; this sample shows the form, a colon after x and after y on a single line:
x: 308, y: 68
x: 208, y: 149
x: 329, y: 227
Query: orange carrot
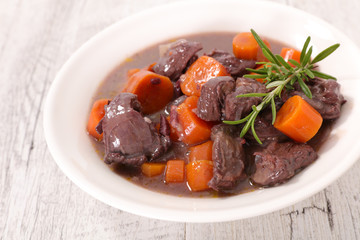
x: 246, y: 47
x: 150, y: 67
x: 298, y: 120
x: 152, y: 169
x: 175, y: 171
x: 290, y: 53
x: 201, y: 152
x: 202, y: 70
x: 96, y: 114
x: 154, y: 91
x: 193, y: 129
x: 198, y: 174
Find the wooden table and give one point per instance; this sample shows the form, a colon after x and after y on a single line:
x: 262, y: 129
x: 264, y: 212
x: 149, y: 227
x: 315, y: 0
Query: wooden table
x: 39, y: 202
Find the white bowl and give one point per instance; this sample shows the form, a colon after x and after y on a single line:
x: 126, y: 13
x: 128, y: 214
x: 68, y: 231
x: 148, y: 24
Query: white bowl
x: 69, y: 100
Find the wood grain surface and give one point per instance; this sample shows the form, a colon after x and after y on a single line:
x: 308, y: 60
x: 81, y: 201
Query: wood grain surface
x: 39, y: 202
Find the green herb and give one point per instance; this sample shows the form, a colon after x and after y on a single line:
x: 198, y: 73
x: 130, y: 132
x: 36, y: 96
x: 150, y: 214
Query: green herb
x: 279, y: 75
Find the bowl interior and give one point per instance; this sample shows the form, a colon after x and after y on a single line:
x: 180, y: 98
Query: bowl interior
x: 81, y: 75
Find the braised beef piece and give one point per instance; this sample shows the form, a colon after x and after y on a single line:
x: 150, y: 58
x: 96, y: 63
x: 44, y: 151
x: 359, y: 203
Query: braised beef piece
x: 176, y: 58
x: 279, y: 161
x: 190, y: 62
x: 164, y: 128
x: 326, y: 99
x: 129, y: 138
x: 237, y: 108
x: 98, y: 127
x: 211, y: 101
x: 177, y: 90
x: 174, y: 119
x: 264, y: 129
x: 228, y: 157
x: 170, y: 109
x: 236, y: 67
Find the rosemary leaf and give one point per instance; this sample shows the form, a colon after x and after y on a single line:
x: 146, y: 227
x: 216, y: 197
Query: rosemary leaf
x: 285, y: 70
x: 304, y: 49
x: 325, y: 53
x: 268, y: 55
x: 252, y: 95
x: 309, y: 73
x: 305, y: 88
x: 295, y: 63
x: 283, y: 62
x: 274, y: 84
x: 255, y: 76
x: 306, y: 57
x: 293, y: 80
x: 322, y: 75
x: 247, y: 126
x: 258, y: 71
x: 263, y: 46
x: 254, y: 133
x: 273, y: 111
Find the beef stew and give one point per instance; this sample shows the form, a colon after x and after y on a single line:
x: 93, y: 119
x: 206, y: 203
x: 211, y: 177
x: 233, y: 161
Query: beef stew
x: 237, y: 164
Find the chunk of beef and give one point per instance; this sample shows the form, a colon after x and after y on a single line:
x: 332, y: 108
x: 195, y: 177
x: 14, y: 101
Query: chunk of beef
x: 237, y: 108
x: 175, y: 59
x: 236, y: 67
x: 264, y: 128
x: 327, y: 99
x: 177, y: 90
x: 211, y: 101
x: 228, y: 157
x: 130, y: 138
x: 265, y: 131
x: 279, y: 161
x: 164, y: 128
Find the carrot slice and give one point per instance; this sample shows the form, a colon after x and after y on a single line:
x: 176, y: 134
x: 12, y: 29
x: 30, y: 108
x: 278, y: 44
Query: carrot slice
x: 298, y: 120
x: 193, y: 130
x: 152, y: 169
x: 246, y: 47
x: 154, y: 91
x: 290, y: 53
x: 202, y: 70
x: 201, y: 152
x: 96, y: 114
x: 175, y: 171
x: 198, y: 174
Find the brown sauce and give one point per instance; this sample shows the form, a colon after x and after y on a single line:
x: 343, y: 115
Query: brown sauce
x: 113, y: 85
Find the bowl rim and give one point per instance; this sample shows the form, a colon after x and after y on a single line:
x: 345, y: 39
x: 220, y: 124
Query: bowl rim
x: 190, y: 215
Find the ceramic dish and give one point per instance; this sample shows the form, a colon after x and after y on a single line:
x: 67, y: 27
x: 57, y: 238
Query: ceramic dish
x: 69, y: 100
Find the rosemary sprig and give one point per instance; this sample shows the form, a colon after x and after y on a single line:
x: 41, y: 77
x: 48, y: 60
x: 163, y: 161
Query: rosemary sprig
x: 279, y: 75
